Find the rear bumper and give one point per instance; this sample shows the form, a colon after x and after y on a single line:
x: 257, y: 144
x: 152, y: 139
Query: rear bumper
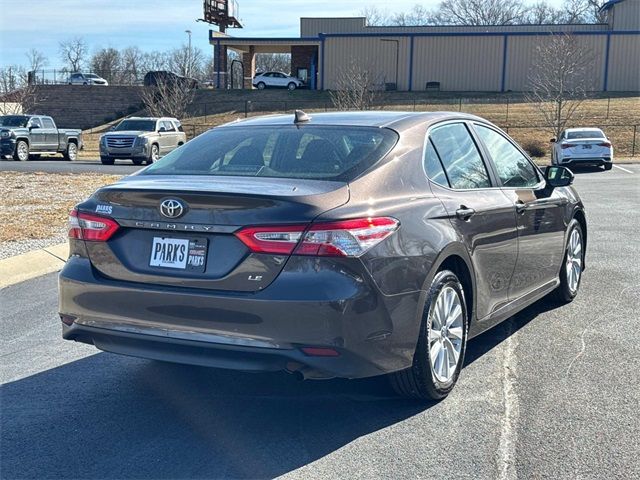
x: 568, y: 161
x: 372, y: 333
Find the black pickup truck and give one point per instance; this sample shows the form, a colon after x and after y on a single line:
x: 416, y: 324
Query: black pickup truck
x: 29, y: 136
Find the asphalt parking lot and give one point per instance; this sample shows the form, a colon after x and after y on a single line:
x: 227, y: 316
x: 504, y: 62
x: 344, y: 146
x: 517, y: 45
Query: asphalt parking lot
x: 551, y: 393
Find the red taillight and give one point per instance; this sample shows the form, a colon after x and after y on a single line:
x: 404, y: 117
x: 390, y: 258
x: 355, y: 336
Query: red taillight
x: 604, y: 144
x: 566, y: 145
x: 279, y: 240
x: 320, y: 352
x: 347, y: 238
x: 92, y: 228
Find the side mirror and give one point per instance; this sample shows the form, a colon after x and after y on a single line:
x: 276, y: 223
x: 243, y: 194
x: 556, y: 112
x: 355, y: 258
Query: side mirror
x: 558, y: 176
x: 33, y: 127
x: 553, y: 140
x: 162, y: 129
x: 113, y: 127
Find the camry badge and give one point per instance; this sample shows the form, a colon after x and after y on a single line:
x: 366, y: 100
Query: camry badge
x: 172, y: 208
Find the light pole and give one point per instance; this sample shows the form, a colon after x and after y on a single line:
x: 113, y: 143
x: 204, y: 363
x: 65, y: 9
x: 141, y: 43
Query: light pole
x: 188, y: 32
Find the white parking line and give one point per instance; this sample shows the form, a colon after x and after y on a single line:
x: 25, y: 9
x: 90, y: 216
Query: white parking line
x: 623, y: 169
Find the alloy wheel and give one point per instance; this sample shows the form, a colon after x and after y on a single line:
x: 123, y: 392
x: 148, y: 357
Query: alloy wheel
x: 23, y: 151
x: 574, y: 261
x: 445, y: 334
x: 72, y: 151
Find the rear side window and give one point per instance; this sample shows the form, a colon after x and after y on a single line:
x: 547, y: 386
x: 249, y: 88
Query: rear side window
x: 513, y: 168
x: 282, y: 151
x: 460, y: 157
x: 433, y: 166
x: 47, y: 123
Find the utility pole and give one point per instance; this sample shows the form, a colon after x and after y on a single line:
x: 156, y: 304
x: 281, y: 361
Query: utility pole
x: 188, y: 32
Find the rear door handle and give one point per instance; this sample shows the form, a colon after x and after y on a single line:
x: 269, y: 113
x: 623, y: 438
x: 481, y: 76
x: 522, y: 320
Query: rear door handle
x: 464, y: 213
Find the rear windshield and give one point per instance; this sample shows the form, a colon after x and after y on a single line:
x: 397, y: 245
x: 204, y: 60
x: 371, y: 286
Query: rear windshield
x: 140, y: 125
x: 312, y: 152
x: 585, y: 134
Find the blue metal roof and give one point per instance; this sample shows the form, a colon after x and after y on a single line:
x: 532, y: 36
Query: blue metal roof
x: 609, y: 4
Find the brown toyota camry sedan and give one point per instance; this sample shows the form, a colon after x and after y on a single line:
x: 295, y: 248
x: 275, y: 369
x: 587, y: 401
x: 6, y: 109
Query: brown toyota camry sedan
x: 333, y: 245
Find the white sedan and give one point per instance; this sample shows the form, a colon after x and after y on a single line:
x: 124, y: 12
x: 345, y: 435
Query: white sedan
x: 276, y: 80
x: 86, y: 79
x: 582, y: 146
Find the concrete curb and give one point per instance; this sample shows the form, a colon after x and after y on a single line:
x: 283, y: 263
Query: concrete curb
x: 32, y: 264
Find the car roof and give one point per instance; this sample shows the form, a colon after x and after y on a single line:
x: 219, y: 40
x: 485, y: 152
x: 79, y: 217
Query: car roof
x: 370, y: 118
x: 583, y: 129
x: 152, y: 118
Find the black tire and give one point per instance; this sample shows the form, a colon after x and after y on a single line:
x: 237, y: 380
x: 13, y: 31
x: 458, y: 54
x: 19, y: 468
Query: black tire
x: 154, y: 155
x: 564, y: 294
x: 71, y: 153
x: 107, y: 160
x: 292, y: 86
x: 419, y: 381
x: 139, y: 161
x: 608, y: 166
x: 261, y: 85
x: 21, y: 153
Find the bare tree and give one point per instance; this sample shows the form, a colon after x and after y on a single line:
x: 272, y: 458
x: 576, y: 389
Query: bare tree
x: 169, y: 98
x: 132, y: 60
x: 559, y: 80
x: 268, y: 62
x: 187, y: 62
x: 541, y: 13
x: 375, y: 16
x: 355, y: 88
x: 417, y: 16
x: 73, y: 53
x: 106, y: 62
x: 16, y: 94
x: 35, y: 61
x: 480, y: 12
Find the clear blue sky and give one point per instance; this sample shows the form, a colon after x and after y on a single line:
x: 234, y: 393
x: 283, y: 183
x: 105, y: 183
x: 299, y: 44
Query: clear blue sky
x: 153, y: 24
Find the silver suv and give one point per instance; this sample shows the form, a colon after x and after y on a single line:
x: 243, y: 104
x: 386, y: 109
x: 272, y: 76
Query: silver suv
x: 141, y: 140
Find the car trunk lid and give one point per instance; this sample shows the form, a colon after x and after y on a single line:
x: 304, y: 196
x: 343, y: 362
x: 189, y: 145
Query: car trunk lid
x: 213, y: 209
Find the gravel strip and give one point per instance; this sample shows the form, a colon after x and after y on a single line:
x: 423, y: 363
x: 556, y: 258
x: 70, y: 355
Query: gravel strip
x: 10, y: 249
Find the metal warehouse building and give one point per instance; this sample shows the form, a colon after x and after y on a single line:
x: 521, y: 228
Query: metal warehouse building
x: 468, y: 58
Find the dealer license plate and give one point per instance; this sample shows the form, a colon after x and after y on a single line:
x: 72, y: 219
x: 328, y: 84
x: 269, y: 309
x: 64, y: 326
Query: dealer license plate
x: 179, y: 253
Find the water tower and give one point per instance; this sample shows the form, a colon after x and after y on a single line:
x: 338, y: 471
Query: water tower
x: 224, y: 14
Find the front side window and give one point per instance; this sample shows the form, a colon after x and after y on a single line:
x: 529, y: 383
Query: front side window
x: 48, y: 123
x: 513, y: 168
x: 309, y: 152
x: 460, y: 157
x: 35, y: 122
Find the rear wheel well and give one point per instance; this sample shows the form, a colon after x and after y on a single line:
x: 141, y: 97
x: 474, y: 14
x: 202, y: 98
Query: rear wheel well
x: 458, y: 266
x: 73, y: 140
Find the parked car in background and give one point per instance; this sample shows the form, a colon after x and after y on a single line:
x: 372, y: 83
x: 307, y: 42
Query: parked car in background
x: 29, y: 136
x: 86, y: 79
x: 340, y: 245
x: 582, y: 146
x: 170, y: 79
x: 276, y: 80
x: 141, y: 140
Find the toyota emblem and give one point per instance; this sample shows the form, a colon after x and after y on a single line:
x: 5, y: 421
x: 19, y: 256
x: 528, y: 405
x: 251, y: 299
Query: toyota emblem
x: 172, y: 208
